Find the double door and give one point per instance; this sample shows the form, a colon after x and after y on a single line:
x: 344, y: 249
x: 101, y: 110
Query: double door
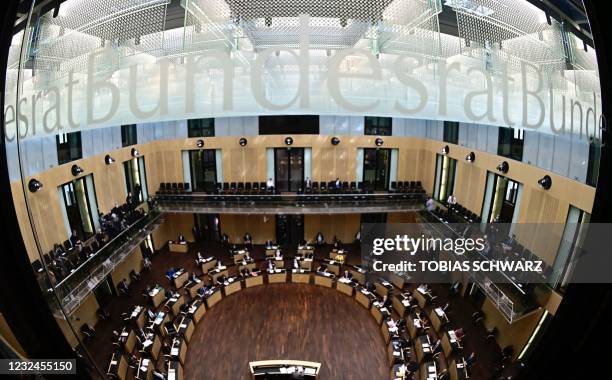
x: 289, y: 169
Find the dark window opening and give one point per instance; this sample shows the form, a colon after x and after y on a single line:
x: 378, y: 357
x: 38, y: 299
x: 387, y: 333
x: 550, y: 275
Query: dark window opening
x: 128, y: 135
x: 377, y: 126
x: 201, y: 127
x: 203, y: 164
x: 510, y: 143
x: 451, y: 132
x: 289, y: 125
x: 593, y: 165
x: 68, y: 147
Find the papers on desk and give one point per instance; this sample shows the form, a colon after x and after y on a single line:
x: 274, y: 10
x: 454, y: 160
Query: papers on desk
x: 365, y: 291
x: 173, y: 299
x: 396, y: 353
x: 113, y: 362
x: 192, y: 309
x: 452, y: 336
x: 124, y: 334
x: 277, y: 271
x: 417, y: 323
x: 385, y: 283
x: 431, y: 369
x: 421, y: 289
x: 174, y: 351
x: 147, y: 343
x: 405, y: 303
x: 171, y: 374
x: 439, y: 311
x: 183, y: 326
x: 460, y: 365
x: 310, y: 371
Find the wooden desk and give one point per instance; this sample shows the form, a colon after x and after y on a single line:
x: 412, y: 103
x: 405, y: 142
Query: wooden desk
x: 358, y: 274
x: 185, y: 328
x: 238, y: 256
x: 397, y: 280
x: 364, y: 298
x: 193, y: 287
x: 161, y: 317
x: 421, y: 298
x: 117, y: 366
x: 218, y: 272
x: 178, y: 247
x: 213, y: 297
x: 422, y: 348
x: 175, y: 370
x: 196, y: 310
x: 345, y: 288
x: 300, y: 276
x: 157, y: 296
x: 388, y: 332
x: 254, y: 281
x: 399, y: 306
x: 180, y: 278
x: 378, y: 313
x: 247, y: 265
x: 383, y: 288
x: 449, y: 343
x: 127, y: 339
x: 458, y: 370
x: 264, y: 368
x: 306, y: 250
x: 394, y: 352
x: 174, y: 303
x: 277, y: 277
x: 428, y: 370
x: 413, y: 324
x: 332, y: 266
x: 137, y: 317
x: 323, y: 280
x: 208, y: 264
x: 438, y: 318
x: 153, y: 346
x: 271, y: 251
x: 232, y: 287
x: 144, y: 370
x: 178, y: 349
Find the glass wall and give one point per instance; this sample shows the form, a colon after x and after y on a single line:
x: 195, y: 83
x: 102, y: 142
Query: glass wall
x: 135, y: 178
x: 445, y: 177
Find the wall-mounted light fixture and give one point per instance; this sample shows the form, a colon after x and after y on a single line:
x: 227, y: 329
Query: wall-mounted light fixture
x: 108, y: 159
x: 471, y: 157
x: 545, y: 182
x: 445, y: 149
x: 76, y: 170
x: 335, y: 140
x: 379, y: 141
x: 34, y: 185
x: 200, y: 143
x: 503, y: 167
x: 242, y: 141
x: 135, y: 152
x: 288, y: 141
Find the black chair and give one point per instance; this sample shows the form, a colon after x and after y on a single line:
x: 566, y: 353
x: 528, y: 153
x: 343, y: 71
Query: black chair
x: 186, y: 186
x: 88, y: 331
x: 171, y: 330
x: 226, y: 187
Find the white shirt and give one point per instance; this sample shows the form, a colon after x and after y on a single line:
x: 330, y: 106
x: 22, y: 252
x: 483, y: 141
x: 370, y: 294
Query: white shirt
x: 429, y: 204
x: 451, y: 200
x: 270, y: 183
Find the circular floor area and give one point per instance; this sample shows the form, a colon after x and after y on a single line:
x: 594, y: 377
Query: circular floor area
x: 287, y: 321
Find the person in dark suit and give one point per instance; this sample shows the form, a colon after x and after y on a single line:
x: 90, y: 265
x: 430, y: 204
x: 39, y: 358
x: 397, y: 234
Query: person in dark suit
x: 123, y: 287
x: 386, y: 301
x: 248, y: 241
x: 181, y: 238
x: 337, y: 184
x: 437, y: 347
x: 74, y: 239
x: 348, y: 275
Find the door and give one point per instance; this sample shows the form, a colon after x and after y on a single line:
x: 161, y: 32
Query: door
x: 207, y: 226
x: 203, y: 166
x: 376, y: 168
x: 78, y: 210
x: 105, y: 292
x: 289, y: 229
x: 289, y: 169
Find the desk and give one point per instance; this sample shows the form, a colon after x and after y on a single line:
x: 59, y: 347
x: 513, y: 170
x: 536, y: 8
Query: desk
x: 174, y: 303
x: 185, y: 328
x: 379, y: 313
x: 196, y: 310
x: 359, y: 273
x: 156, y: 295
x: 428, y: 370
x: 160, y: 319
x: 231, y: 286
x: 218, y: 272
x: 394, y: 352
x: 422, y: 347
x: 247, y: 264
x: 383, y: 288
x: 118, y: 366
x: 271, y: 251
x: 414, y: 325
x: 253, y: 281
x: 332, y: 266
x: 152, y: 345
x: 438, y: 318
x: 208, y: 263
x: 449, y: 342
x: 127, y: 338
x: 178, y: 349
x: 364, y: 297
x: 397, y: 280
x: 137, y: 316
x: 179, y: 278
x: 174, y: 370
x: 238, y: 256
x: 345, y: 286
x: 389, y: 331
x: 421, y: 296
x: 325, y: 279
x: 178, y: 247
x: 400, y: 305
x: 305, y: 250
x: 262, y: 369
x: 338, y: 255
x: 212, y: 296
x: 300, y: 276
x: 304, y: 262
x: 144, y: 371
x: 193, y: 287
x: 458, y: 370
x: 277, y: 276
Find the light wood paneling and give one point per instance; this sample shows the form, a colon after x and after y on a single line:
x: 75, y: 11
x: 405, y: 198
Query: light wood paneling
x: 261, y: 227
x: 343, y: 226
x: 86, y: 313
x: 132, y: 262
x: 173, y: 226
x: 470, y: 184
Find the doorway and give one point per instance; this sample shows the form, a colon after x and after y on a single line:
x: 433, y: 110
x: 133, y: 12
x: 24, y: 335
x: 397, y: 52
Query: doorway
x: 289, y: 229
x: 289, y: 169
x: 104, y: 292
x: 78, y: 209
x: 376, y: 168
x: 504, y: 200
x: 203, y: 166
x: 207, y: 227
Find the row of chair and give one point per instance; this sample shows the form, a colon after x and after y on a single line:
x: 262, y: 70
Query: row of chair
x: 405, y: 186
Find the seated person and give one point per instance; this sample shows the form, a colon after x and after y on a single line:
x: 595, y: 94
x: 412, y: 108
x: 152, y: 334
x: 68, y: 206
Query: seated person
x: 170, y: 273
x: 269, y: 244
x: 58, y: 250
x: 270, y: 184
x: 134, y: 275
x: 248, y: 241
x: 123, y: 287
x: 194, y: 278
x: 245, y: 272
x: 219, y: 264
x: 147, y: 264
x: 319, y: 239
x: 386, y: 301
x: 199, y: 258
x: 459, y: 334
x: 347, y: 275
x: 337, y: 183
x: 74, y: 239
x: 181, y: 239
x: 278, y: 254
x: 296, y: 264
x: 225, y: 240
x: 247, y: 256
x: 271, y: 265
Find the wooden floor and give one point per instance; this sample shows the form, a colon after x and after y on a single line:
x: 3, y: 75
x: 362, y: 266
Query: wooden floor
x: 287, y: 321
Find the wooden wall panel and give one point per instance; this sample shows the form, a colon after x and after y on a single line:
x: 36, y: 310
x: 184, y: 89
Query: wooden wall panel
x: 173, y: 225
x: 86, y: 313
x: 470, y: 183
x: 261, y: 227
x: 343, y: 226
x: 401, y: 217
x: 132, y: 262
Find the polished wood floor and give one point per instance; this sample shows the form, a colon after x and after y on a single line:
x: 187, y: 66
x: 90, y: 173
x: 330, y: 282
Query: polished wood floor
x: 287, y: 321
